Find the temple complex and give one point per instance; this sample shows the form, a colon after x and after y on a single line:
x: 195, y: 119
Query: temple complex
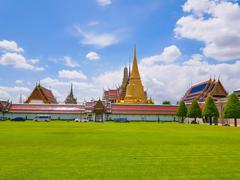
x: 70, y: 98
x: 41, y: 95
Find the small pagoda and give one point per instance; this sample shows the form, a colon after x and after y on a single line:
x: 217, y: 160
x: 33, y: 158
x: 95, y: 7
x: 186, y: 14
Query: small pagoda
x: 70, y: 98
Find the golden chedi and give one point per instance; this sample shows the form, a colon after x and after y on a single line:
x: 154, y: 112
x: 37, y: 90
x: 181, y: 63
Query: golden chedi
x: 135, y: 90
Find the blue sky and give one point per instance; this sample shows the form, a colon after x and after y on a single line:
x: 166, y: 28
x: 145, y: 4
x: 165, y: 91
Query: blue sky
x: 89, y: 42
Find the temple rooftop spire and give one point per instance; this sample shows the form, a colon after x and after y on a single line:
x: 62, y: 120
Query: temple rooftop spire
x: 70, y: 99
x: 135, y: 71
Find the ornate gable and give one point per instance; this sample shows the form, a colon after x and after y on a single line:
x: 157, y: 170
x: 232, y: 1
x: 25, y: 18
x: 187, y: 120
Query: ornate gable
x: 41, y: 95
x: 219, y: 90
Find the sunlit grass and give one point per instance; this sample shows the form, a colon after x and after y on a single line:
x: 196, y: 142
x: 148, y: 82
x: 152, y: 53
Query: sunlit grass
x: 68, y: 150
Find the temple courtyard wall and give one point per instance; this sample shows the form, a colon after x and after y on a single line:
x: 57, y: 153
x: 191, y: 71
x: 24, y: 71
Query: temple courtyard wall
x: 30, y: 116
x: 91, y: 117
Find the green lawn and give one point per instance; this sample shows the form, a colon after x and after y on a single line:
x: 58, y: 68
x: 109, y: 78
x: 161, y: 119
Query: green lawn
x: 68, y: 150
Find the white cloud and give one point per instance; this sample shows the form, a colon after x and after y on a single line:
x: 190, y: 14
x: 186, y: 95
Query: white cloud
x: 13, y: 93
x: 111, y: 79
x: 216, y: 23
x: 12, y: 55
x: 17, y: 61
x: 196, y: 60
x: 197, y: 7
x: 100, y: 40
x: 71, y: 74
x: 104, y: 2
x: 82, y: 90
x: 10, y: 46
x: 39, y: 68
x: 68, y: 61
x: 18, y: 81
x: 34, y: 61
x: 92, y: 56
x: 169, y: 54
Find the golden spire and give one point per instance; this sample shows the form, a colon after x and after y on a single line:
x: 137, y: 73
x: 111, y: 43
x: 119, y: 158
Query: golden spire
x: 135, y: 90
x: 135, y: 72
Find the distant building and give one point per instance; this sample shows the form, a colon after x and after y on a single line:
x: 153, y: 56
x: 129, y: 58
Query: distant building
x: 70, y: 98
x: 99, y: 111
x: 4, y: 107
x: 41, y: 95
x: 111, y: 95
x: 201, y: 90
x: 237, y: 92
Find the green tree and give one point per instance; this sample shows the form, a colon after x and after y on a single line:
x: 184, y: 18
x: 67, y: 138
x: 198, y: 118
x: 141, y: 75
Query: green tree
x: 210, y: 110
x: 182, y: 111
x: 166, y: 102
x: 194, y: 111
x: 232, y: 108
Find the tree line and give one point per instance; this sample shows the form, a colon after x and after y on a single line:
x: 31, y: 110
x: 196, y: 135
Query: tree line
x: 210, y: 112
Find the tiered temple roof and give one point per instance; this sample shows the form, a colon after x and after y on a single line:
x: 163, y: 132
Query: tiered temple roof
x: 111, y: 95
x: 41, y: 95
x: 201, y: 90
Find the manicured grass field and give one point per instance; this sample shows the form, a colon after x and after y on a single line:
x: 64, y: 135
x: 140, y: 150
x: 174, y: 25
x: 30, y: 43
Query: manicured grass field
x: 68, y: 150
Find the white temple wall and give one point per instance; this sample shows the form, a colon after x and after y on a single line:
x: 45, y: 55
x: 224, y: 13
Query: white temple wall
x: 56, y: 116
x: 31, y: 116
